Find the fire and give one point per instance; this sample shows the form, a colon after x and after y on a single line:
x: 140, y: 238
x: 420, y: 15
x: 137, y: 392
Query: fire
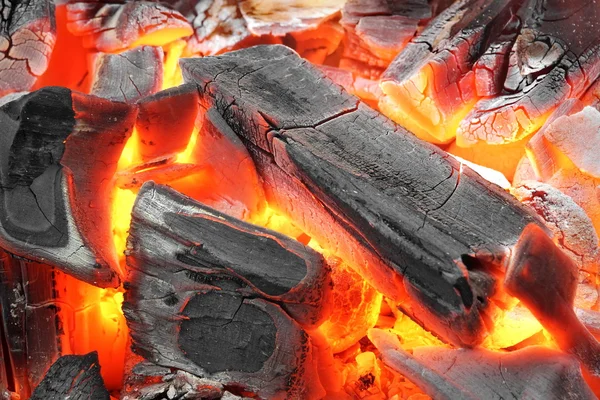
x: 92, y: 319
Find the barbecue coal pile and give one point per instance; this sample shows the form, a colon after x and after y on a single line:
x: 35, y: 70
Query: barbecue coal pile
x: 361, y: 199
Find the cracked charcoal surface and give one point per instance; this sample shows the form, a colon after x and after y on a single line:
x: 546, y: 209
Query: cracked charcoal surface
x: 493, y: 71
x: 27, y: 36
x: 405, y: 200
x: 230, y: 331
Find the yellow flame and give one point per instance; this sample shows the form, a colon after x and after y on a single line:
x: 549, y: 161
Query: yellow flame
x: 172, y: 76
x: 186, y: 156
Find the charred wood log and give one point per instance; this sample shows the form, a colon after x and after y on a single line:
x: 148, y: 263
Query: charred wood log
x: 191, y: 300
x: 111, y: 26
x: 533, y: 373
x: 398, y: 210
x: 129, y: 76
x: 27, y: 36
x: 73, y: 377
x: 58, y: 154
x: 209, y: 245
x: 28, y: 322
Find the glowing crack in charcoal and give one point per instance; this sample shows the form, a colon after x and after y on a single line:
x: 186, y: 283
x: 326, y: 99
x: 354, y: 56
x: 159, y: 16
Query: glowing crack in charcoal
x: 508, y: 87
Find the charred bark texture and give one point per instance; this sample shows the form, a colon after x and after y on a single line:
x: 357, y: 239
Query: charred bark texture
x: 129, y: 76
x: 221, y: 298
x: 58, y: 153
x: 450, y: 374
x: 398, y: 210
x: 73, y: 377
x: 27, y: 36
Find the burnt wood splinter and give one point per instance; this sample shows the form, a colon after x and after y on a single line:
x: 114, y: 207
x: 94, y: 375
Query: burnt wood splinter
x: 411, y: 219
x: 222, y: 299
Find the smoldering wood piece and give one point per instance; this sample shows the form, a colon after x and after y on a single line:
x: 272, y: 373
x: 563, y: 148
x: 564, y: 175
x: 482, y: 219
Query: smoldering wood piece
x: 73, y: 377
x: 398, y: 210
x: 544, y: 279
x: 111, y: 26
x: 534, y: 372
x: 552, y: 59
x: 196, y: 244
x: 27, y: 36
x: 208, y: 324
x: 218, y: 25
x: 28, y: 319
x: 129, y: 76
x: 430, y: 83
x: 58, y: 152
x: 166, y: 121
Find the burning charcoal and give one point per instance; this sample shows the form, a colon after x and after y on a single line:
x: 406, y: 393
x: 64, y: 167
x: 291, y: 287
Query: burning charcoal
x: 545, y: 280
x: 376, y: 31
x: 58, y: 154
x: 281, y: 17
x: 166, y: 121
x: 129, y: 76
x: 534, y: 372
x: 28, y: 332
x: 218, y: 25
x: 215, y: 167
x: 356, y: 310
x: 114, y: 26
x: 318, y: 43
x: 549, y: 62
x: 209, y: 245
x: 73, y: 377
x: 399, y: 211
x: 27, y: 38
x: 191, y: 296
x: 567, y: 221
x: 429, y: 86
